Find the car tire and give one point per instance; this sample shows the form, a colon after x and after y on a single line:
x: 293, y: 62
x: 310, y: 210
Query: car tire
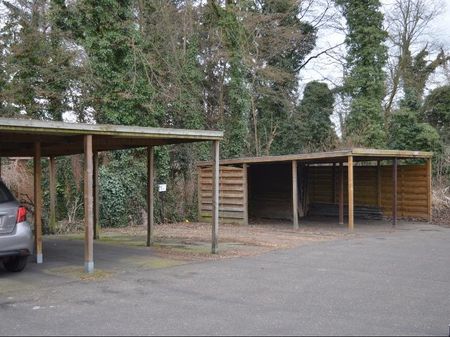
x: 15, y: 264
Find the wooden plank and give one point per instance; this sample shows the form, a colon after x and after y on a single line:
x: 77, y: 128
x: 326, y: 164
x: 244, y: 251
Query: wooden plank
x: 95, y: 188
x: 226, y: 194
x: 294, y: 195
x: 225, y: 208
x: 215, y: 212
x: 330, y: 157
x: 245, y: 186
x: 350, y: 193
x: 150, y: 195
x: 231, y: 188
x: 38, y: 203
x: 223, y: 180
x: 88, y: 206
x: 60, y: 128
x: 52, y: 187
x: 430, y: 189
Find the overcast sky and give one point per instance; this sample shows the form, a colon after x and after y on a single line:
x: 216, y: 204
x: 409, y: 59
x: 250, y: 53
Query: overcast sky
x: 327, y: 67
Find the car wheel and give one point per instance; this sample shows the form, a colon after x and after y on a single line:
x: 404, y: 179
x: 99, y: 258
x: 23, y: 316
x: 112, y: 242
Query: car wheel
x: 15, y: 264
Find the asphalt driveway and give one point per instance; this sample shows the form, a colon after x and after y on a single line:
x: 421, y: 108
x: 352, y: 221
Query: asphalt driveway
x: 376, y: 283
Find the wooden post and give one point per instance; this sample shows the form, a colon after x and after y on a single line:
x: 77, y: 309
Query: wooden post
x: 199, y: 193
x: 0, y: 168
x: 52, y: 216
x: 429, y: 180
x: 294, y: 195
x: 341, y: 194
x: 37, y: 203
x: 215, y: 197
x: 95, y: 187
x: 333, y: 189
x: 350, y: 193
x: 150, y: 197
x: 88, y: 206
x: 394, y: 191
x: 378, y: 183
x: 245, y: 173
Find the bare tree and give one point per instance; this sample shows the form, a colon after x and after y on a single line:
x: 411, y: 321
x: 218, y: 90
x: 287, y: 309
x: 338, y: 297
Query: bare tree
x: 408, y: 22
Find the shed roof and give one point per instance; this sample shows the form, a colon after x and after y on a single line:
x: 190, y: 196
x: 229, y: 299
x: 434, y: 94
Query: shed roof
x: 359, y: 154
x: 17, y: 137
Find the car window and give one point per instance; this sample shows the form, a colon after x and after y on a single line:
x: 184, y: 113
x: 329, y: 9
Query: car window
x: 5, y: 195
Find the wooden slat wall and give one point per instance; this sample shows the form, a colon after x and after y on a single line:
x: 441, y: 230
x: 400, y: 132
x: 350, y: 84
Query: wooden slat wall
x: 231, y: 195
x: 412, y: 188
x: 412, y: 191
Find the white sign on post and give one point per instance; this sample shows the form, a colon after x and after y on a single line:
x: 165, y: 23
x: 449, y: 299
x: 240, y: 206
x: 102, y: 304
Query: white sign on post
x: 162, y: 187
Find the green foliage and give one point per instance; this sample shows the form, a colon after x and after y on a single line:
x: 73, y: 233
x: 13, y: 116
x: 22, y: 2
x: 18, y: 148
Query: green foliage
x: 364, y: 125
x: 310, y: 128
x: 315, y: 109
x: 407, y: 133
x: 415, y: 71
x: 367, y: 55
x: 436, y: 111
x: 37, y: 64
x: 123, y: 190
x: 120, y: 90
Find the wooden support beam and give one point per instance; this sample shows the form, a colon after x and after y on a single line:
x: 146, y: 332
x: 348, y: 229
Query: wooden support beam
x: 429, y: 197
x: 294, y: 195
x: 215, y: 208
x: 88, y: 206
x: 96, y: 188
x: 333, y: 189
x: 245, y: 174
x: 150, y: 196
x: 378, y: 183
x: 350, y: 193
x: 199, y: 194
x: 341, y: 193
x: 52, y: 215
x: 394, y: 191
x: 0, y: 168
x: 37, y: 203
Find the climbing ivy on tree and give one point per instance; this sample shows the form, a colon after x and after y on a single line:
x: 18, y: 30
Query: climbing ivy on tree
x: 364, y: 82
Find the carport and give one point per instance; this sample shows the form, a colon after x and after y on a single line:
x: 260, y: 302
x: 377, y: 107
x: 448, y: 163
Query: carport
x: 362, y: 182
x: 37, y: 139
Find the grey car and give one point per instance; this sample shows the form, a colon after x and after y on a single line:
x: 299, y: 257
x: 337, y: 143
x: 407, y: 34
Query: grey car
x: 16, y: 237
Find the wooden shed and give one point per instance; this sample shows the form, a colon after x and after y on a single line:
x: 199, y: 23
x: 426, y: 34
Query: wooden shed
x: 366, y: 183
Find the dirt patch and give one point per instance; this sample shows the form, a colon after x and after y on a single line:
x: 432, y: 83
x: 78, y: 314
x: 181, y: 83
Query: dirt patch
x: 193, y: 240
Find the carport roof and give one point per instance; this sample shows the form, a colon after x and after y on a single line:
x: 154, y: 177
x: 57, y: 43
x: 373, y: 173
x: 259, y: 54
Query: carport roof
x: 358, y: 154
x: 17, y: 137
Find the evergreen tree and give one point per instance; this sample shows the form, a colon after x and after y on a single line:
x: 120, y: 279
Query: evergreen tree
x: 436, y: 111
x: 310, y: 129
x: 315, y: 110
x: 407, y: 133
x: 38, y: 68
